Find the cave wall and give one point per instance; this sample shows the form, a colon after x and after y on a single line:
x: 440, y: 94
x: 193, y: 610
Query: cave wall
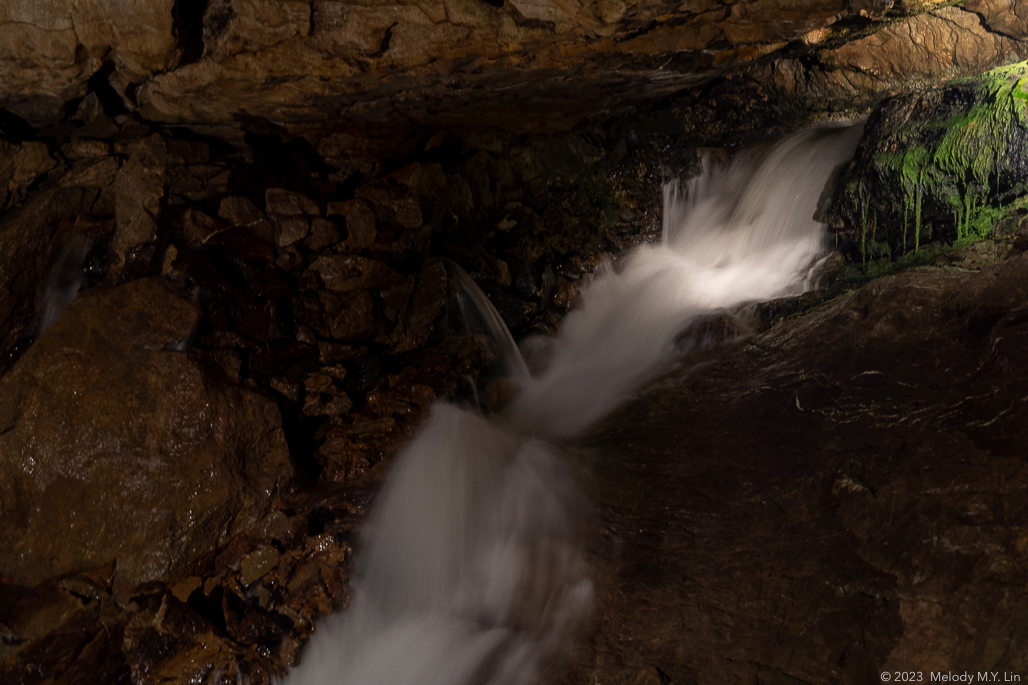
x: 289, y: 173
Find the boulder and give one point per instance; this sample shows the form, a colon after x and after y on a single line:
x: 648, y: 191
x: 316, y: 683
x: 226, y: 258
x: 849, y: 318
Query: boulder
x: 20, y: 166
x: 117, y: 445
x: 947, y: 164
x: 839, y: 497
x: 32, y: 236
x: 139, y: 199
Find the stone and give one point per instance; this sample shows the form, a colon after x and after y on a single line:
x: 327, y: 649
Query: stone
x: 288, y: 203
x: 392, y: 203
x: 111, y: 436
x: 349, y: 316
x: 256, y: 565
x: 291, y: 230
x: 347, y: 272
x: 240, y: 211
x: 360, y: 223
x: 323, y: 234
x: 32, y: 236
x: 194, y: 228
x: 425, y: 308
x: 139, y: 194
x: 85, y: 148
x: 20, y: 166
x: 881, y: 423
x: 946, y: 164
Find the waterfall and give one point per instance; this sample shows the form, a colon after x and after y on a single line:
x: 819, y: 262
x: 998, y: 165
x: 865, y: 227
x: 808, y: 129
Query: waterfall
x: 472, y: 568
x: 63, y: 282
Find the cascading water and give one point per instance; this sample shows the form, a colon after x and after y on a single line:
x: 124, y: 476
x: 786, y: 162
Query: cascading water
x: 473, y: 569
x: 63, y: 282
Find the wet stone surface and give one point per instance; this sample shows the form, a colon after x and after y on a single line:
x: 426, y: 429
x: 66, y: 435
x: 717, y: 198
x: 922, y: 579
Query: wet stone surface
x: 838, y: 496
x: 272, y: 329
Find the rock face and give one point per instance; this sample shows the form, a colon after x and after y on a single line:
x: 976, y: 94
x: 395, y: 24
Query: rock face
x: 949, y: 163
x: 870, y: 517
x: 115, y: 446
x: 373, y: 79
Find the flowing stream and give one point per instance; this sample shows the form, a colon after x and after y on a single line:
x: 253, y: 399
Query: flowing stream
x: 472, y: 567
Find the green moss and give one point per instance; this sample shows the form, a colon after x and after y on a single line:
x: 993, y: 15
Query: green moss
x: 960, y: 165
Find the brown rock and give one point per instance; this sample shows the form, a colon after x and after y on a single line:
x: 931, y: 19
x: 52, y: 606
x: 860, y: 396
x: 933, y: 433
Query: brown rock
x: 51, y: 51
x: 195, y: 229
x: 288, y: 203
x: 347, y: 272
x: 888, y: 429
x: 426, y: 306
x: 291, y: 229
x: 165, y: 641
x: 20, y: 166
x: 85, y: 148
x: 360, y: 223
x: 349, y: 315
x: 392, y: 203
x: 928, y: 48
x: 323, y: 234
x: 114, y: 440
x: 256, y: 564
x: 31, y: 237
x: 240, y: 211
x: 139, y: 196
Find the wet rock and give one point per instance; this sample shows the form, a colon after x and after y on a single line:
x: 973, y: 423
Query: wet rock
x: 291, y: 230
x: 166, y: 641
x: 323, y: 234
x: 20, y: 166
x: 139, y: 198
x: 348, y: 316
x: 112, y: 435
x: 256, y: 565
x: 714, y: 329
x: 289, y: 203
x: 342, y: 273
x: 240, y: 211
x: 838, y: 497
x: 425, y: 307
x: 946, y: 164
x: 31, y: 237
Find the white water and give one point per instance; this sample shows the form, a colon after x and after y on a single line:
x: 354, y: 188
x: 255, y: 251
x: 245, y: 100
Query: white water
x: 473, y: 570
x: 63, y: 282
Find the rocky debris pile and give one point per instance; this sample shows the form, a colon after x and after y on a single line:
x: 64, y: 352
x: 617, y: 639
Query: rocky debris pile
x: 239, y: 615
x: 256, y: 332
x: 948, y: 164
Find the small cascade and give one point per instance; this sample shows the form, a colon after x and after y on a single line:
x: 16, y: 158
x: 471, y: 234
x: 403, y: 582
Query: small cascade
x: 67, y: 276
x: 472, y: 567
x: 479, y: 316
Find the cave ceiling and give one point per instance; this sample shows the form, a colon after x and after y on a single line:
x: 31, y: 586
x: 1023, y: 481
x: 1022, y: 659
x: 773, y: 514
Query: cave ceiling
x: 372, y: 79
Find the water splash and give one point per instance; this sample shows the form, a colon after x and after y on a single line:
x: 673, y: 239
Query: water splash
x: 67, y: 276
x: 473, y: 570
x: 479, y: 316
x: 738, y: 233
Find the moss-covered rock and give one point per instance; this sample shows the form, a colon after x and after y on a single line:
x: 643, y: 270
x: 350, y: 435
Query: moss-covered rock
x: 949, y: 164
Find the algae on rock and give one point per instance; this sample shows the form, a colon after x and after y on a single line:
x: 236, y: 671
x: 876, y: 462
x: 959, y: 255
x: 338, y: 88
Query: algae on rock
x: 949, y: 164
